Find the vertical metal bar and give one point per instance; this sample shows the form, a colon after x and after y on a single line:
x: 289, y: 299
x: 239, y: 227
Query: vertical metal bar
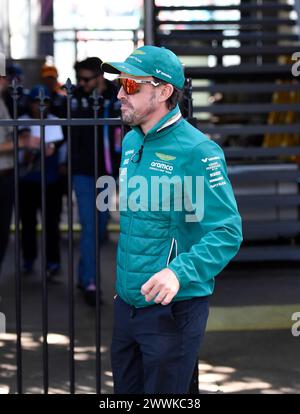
x: 18, y: 285
x: 194, y: 384
x: 189, y: 97
x: 97, y: 250
x: 297, y: 8
x: 135, y: 38
x: 43, y: 258
x: 149, y: 22
x: 8, y: 46
x: 70, y: 246
x: 46, y: 38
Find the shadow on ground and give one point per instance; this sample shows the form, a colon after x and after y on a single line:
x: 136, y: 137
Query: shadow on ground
x: 232, y: 361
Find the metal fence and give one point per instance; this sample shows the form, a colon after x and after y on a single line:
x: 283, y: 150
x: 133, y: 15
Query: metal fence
x: 68, y: 122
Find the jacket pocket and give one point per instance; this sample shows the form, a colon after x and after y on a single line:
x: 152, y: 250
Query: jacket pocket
x: 173, y: 251
x: 190, y: 316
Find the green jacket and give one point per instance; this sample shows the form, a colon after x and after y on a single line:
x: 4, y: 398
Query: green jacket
x: 195, y: 243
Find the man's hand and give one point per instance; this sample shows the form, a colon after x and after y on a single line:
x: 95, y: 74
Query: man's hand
x: 29, y: 141
x: 49, y: 149
x: 162, y: 286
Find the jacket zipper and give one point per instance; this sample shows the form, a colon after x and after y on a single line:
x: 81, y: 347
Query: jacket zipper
x: 130, y: 222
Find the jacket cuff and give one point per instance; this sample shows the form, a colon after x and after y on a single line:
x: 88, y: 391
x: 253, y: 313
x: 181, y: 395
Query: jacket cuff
x: 183, y: 281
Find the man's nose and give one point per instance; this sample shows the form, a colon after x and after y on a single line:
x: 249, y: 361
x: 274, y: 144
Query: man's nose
x: 121, y: 93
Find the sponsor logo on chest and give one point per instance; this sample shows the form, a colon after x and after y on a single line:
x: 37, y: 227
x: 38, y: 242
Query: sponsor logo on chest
x: 163, y: 164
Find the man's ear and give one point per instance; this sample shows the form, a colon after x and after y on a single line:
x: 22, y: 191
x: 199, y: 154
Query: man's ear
x: 165, y: 92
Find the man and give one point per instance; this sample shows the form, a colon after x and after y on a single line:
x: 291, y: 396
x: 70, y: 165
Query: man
x: 49, y: 78
x: 57, y: 106
x: 90, y: 77
x: 6, y: 171
x: 6, y: 176
x: 30, y: 187
x: 167, y: 260
x: 14, y: 72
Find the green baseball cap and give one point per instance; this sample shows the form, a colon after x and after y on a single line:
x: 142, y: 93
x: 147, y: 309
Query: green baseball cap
x: 150, y: 61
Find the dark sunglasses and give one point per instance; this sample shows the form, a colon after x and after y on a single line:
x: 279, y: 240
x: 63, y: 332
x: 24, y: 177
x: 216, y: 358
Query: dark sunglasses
x: 132, y: 86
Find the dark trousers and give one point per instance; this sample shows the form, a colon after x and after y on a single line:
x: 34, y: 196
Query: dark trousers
x: 6, y: 203
x: 30, y: 204
x: 154, y: 349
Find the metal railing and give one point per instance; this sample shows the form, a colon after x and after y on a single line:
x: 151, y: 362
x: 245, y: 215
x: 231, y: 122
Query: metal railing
x: 68, y: 122
x: 78, y: 35
x: 42, y: 122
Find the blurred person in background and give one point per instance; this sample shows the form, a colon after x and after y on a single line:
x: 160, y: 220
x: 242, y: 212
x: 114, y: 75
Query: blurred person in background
x: 58, y: 107
x: 49, y: 78
x: 30, y: 187
x: 14, y: 72
x: 90, y: 77
x: 6, y: 171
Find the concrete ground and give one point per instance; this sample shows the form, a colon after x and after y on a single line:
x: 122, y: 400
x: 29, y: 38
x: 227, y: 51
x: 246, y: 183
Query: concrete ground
x: 248, y: 348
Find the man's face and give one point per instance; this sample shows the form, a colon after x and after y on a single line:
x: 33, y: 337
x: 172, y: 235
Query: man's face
x: 88, y: 80
x: 138, y: 108
x: 50, y: 82
x: 35, y: 108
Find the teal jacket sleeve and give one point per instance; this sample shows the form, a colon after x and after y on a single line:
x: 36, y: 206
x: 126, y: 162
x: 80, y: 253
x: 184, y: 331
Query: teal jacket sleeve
x: 218, y: 233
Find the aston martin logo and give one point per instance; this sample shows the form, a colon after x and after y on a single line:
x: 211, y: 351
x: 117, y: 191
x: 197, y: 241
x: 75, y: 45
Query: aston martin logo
x: 165, y: 157
x: 138, y: 52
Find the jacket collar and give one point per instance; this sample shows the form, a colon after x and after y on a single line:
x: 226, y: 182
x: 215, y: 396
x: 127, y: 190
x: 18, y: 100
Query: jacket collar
x: 170, y: 119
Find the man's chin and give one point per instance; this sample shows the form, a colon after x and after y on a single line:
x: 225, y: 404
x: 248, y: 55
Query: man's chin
x: 127, y: 120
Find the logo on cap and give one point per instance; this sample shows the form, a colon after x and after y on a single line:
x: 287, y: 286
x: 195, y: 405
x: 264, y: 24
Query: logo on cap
x: 135, y: 58
x: 138, y: 52
x: 163, y: 73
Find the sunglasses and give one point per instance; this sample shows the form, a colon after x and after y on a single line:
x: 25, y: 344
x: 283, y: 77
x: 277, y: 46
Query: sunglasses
x: 86, y: 79
x: 132, y: 86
